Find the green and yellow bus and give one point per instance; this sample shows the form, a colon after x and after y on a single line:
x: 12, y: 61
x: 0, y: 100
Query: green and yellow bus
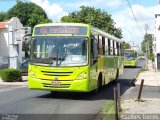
x: 141, y: 56
x: 130, y: 58
x: 73, y: 57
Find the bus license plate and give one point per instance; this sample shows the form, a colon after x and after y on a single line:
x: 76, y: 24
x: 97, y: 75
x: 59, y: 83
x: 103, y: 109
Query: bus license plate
x: 56, y: 83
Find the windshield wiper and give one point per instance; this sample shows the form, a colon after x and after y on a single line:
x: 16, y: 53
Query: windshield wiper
x: 60, y: 59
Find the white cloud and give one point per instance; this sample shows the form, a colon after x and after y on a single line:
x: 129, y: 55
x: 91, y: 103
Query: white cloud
x: 94, y: 3
x: 54, y: 11
x: 113, y: 3
x: 131, y: 31
x: 123, y: 18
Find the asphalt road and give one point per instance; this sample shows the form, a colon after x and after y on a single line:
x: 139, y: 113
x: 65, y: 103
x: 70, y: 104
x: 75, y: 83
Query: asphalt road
x: 43, y: 104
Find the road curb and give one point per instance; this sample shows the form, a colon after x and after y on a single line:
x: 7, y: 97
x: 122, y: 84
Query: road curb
x: 14, y: 83
x: 24, y: 82
x: 133, y: 82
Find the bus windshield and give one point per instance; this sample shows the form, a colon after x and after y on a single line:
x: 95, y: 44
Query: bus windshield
x: 141, y: 55
x: 59, y: 51
x: 129, y: 55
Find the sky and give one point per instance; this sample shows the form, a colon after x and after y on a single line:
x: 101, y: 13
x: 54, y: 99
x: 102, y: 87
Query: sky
x: 121, y: 11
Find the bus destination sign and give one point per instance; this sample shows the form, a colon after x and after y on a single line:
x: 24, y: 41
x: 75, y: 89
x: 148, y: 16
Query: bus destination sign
x: 78, y: 30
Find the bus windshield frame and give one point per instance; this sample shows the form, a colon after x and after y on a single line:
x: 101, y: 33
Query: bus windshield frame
x: 129, y: 55
x: 59, y: 51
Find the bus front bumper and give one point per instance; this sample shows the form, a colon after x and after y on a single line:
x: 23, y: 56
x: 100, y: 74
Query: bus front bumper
x: 131, y: 63
x: 67, y: 85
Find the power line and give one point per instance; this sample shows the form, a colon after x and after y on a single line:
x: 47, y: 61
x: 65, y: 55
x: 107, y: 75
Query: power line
x: 134, y: 16
x: 140, y: 2
x: 142, y: 17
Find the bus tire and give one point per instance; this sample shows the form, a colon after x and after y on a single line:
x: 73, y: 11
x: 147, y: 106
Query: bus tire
x: 99, y: 84
x: 53, y: 92
x: 117, y: 74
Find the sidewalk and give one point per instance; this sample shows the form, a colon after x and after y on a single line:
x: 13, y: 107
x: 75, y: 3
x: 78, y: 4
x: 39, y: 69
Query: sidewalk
x: 145, y: 106
x: 23, y: 83
x: 151, y: 77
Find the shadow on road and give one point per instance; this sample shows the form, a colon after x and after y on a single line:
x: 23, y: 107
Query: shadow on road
x: 104, y: 93
x: 132, y: 67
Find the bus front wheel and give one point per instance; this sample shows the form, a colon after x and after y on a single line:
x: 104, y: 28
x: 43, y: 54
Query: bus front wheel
x: 99, y: 84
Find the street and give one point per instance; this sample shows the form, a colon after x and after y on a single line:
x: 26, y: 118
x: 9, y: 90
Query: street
x: 132, y: 92
x: 21, y: 100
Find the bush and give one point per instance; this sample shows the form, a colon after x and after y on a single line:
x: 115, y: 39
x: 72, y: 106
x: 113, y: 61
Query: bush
x: 11, y: 75
x: 151, y: 57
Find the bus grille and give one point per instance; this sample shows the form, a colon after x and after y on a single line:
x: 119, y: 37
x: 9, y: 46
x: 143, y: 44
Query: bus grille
x: 49, y: 73
x: 48, y: 85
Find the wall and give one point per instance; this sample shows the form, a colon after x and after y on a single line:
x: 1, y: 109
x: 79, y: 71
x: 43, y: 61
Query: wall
x: 4, y: 49
x: 15, y: 23
x: 156, y: 42
x: 13, y: 50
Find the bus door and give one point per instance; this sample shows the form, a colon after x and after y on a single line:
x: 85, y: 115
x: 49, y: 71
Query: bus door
x: 93, y: 64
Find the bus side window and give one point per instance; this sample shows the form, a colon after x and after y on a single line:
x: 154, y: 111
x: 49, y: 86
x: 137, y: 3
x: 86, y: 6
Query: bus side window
x: 113, y: 47
x: 106, y: 46
x: 94, y: 51
x: 109, y: 47
x: 117, y: 44
x: 121, y: 49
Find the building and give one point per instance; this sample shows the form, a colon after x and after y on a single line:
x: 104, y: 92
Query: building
x: 11, y: 42
x: 135, y: 48
x: 156, y: 42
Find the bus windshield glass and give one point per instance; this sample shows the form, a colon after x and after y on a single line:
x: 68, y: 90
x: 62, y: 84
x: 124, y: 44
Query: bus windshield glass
x: 141, y: 55
x: 59, y: 51
x: 129, y: 55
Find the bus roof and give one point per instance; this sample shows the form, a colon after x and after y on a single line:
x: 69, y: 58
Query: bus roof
x: 129, y: 50
x: 58, y: 24
x: 106, y: 34
x: 83, y: 25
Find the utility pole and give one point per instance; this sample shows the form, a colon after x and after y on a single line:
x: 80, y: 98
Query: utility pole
x: 146, y: 28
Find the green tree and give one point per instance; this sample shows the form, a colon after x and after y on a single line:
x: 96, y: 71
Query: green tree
x: 29, y: 13
x: 126, y: 45
x: 94, y: 17
x: 2, y: 16
x: 148, y: 41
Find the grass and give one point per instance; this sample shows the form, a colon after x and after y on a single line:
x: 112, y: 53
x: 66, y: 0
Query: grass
x: 107, y: 112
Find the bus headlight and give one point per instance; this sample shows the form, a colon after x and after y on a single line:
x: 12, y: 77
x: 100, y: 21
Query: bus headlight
x: 82, y: 75
x: 32, y: 74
